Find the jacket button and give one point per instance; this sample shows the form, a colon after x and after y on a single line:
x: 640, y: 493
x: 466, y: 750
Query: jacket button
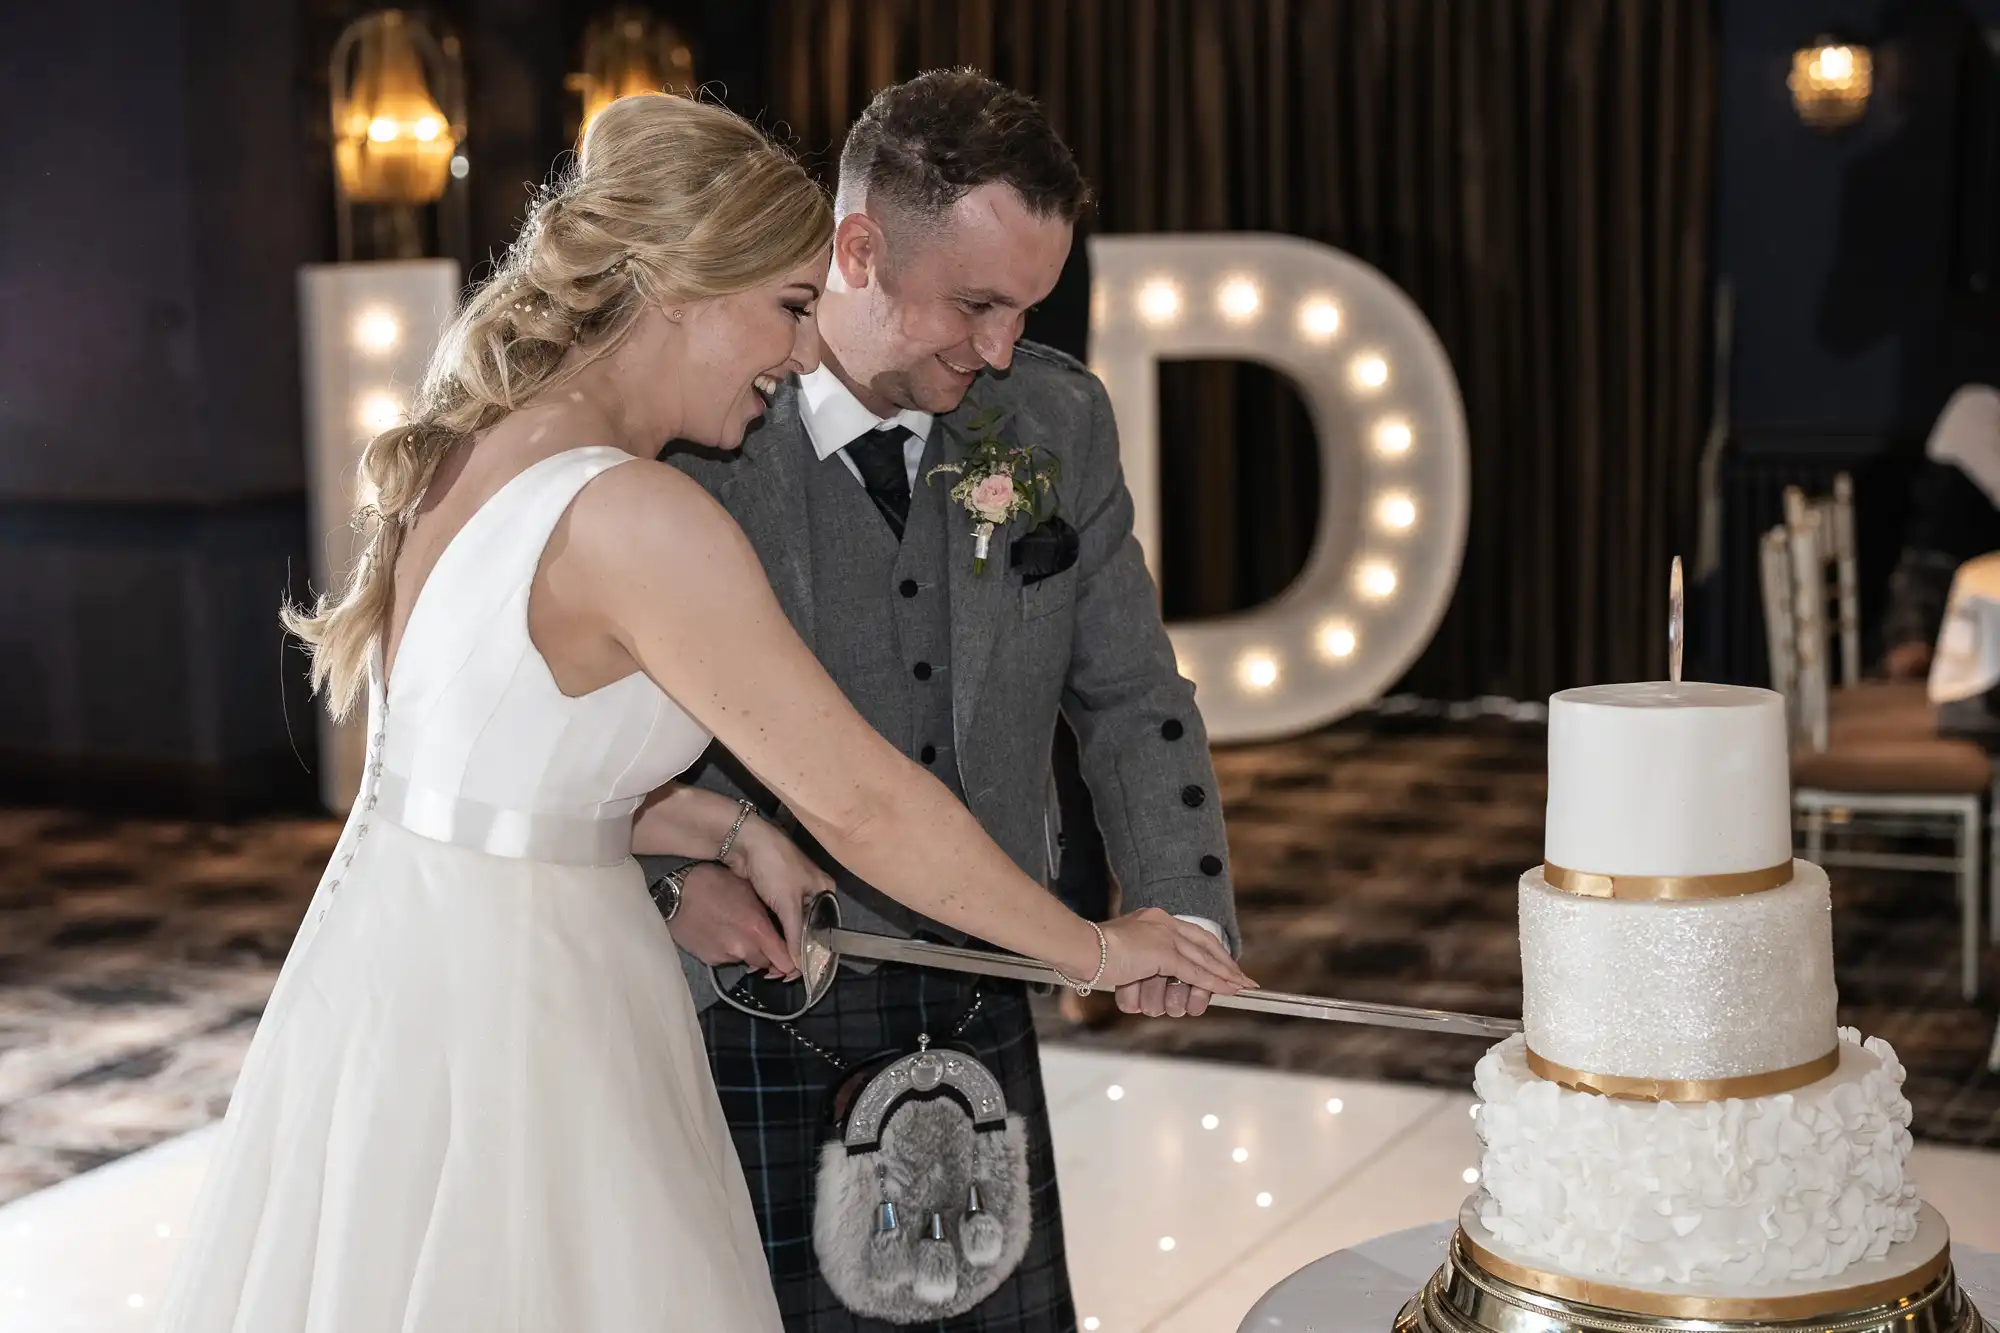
x: 908, y: 588
x: 923, y: 670
x: 1172, y: 729
x: 1192, y: 797
x: 928, y: 754
x: 1211, y: 865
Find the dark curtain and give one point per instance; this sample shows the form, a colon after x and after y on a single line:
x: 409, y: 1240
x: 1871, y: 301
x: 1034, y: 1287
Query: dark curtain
x: 1535, y: 173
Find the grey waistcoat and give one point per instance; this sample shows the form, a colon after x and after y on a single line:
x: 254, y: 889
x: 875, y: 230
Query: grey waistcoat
x: 1087, y: 640
x: 889, y: 653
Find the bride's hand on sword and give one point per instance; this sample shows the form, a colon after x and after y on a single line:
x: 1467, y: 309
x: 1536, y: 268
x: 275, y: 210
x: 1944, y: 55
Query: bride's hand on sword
x: 1150, y: 943
x: 784, y: 877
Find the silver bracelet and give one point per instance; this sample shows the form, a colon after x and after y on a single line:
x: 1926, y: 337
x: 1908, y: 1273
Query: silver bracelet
x: 1084, y: 988
x: 744, y: 809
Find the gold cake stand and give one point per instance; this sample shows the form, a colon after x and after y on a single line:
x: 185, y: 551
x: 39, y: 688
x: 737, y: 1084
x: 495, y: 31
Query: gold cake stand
x: 1476, y: 1291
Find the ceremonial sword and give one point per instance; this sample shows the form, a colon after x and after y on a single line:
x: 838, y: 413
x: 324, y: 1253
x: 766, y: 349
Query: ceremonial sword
x: 827, y: 942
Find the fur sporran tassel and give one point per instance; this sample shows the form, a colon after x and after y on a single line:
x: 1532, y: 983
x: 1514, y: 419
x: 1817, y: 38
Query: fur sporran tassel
x: 980, y: 1236
x: 936, y: 1278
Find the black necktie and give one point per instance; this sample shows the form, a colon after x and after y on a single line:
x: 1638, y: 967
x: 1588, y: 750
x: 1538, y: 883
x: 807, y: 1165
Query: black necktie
x: 879, y: 456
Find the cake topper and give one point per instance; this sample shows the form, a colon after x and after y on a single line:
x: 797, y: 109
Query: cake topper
x: 1676, y: 624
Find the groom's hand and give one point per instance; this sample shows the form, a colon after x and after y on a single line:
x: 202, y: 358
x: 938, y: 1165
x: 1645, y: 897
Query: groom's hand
x: 723, y: 921
x: 1157, y: 997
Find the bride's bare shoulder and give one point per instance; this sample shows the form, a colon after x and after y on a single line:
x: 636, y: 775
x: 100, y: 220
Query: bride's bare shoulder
x: 644, y: 511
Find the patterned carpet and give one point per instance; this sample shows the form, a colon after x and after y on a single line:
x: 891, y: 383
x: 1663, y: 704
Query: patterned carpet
x: 135, y: 958
x: 1374, y: 861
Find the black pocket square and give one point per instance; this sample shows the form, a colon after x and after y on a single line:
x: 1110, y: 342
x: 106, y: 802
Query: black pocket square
x: 1045, y: 552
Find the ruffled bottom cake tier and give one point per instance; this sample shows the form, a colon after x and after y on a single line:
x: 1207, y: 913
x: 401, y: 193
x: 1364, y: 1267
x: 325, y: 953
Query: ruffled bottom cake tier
x: 1740, y: 1195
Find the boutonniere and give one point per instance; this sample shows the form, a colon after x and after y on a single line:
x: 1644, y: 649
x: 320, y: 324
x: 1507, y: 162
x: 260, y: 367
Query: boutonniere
x: 998, y: 479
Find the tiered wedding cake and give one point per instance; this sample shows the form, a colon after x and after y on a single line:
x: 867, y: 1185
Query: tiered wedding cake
x: 1681, y: 1130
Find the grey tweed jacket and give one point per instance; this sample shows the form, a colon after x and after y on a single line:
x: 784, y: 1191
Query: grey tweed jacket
x: 1088, y: 641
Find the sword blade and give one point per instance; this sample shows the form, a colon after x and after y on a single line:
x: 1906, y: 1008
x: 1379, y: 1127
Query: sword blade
x: 886, y: 949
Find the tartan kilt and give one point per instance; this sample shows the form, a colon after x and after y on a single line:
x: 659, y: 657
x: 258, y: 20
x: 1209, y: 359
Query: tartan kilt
x: 777, y: 1096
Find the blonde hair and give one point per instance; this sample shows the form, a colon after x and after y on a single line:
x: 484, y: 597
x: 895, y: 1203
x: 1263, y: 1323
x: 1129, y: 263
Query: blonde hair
x: 670, y: 200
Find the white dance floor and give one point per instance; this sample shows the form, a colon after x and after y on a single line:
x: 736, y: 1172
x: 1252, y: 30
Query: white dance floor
x: 1188, y: 1191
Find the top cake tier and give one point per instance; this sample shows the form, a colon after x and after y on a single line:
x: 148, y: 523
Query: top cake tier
x: 1661, y: 779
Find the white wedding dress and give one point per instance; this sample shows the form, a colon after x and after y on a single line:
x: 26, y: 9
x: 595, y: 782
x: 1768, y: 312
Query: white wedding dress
x: 478, y: 1100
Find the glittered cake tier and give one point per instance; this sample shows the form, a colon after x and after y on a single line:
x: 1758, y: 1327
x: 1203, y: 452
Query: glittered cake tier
x: 1680, y: 991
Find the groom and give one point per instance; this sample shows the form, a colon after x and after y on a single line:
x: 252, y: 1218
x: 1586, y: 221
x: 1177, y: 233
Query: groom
x: 955, y: 204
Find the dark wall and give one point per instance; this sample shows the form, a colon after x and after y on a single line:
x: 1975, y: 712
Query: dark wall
x: 1860, y: 266
x: 167, y: 172
x: 150, y: 465
x: 1851, y: 255
x: 137, y: 155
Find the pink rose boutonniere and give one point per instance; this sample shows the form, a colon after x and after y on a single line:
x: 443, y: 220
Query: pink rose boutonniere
x: 998, y: 479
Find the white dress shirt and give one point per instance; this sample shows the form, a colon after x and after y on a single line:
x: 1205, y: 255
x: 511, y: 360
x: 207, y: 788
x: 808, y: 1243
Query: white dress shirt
x: 834, y: 418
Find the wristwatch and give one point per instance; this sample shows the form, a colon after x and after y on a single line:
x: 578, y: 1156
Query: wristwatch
x: 666, y: 890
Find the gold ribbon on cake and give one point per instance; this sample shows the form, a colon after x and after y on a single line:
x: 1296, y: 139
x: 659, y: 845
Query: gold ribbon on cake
x: 1659, y: 888
x: 1902, y: 1289
x: 1623, y: 1088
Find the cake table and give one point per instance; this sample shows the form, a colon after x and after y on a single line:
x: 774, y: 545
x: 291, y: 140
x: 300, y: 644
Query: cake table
x: 1362, y: 1290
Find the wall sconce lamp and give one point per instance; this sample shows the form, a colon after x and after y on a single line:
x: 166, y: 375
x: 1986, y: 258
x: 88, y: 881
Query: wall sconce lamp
x: 398, y: 118
x: 1831, y: 81
x: 626, y: 53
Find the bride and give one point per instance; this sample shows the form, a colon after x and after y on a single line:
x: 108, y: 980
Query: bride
x: 478, y: 1098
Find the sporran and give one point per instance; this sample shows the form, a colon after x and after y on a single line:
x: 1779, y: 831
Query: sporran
x: 921, y: 1206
